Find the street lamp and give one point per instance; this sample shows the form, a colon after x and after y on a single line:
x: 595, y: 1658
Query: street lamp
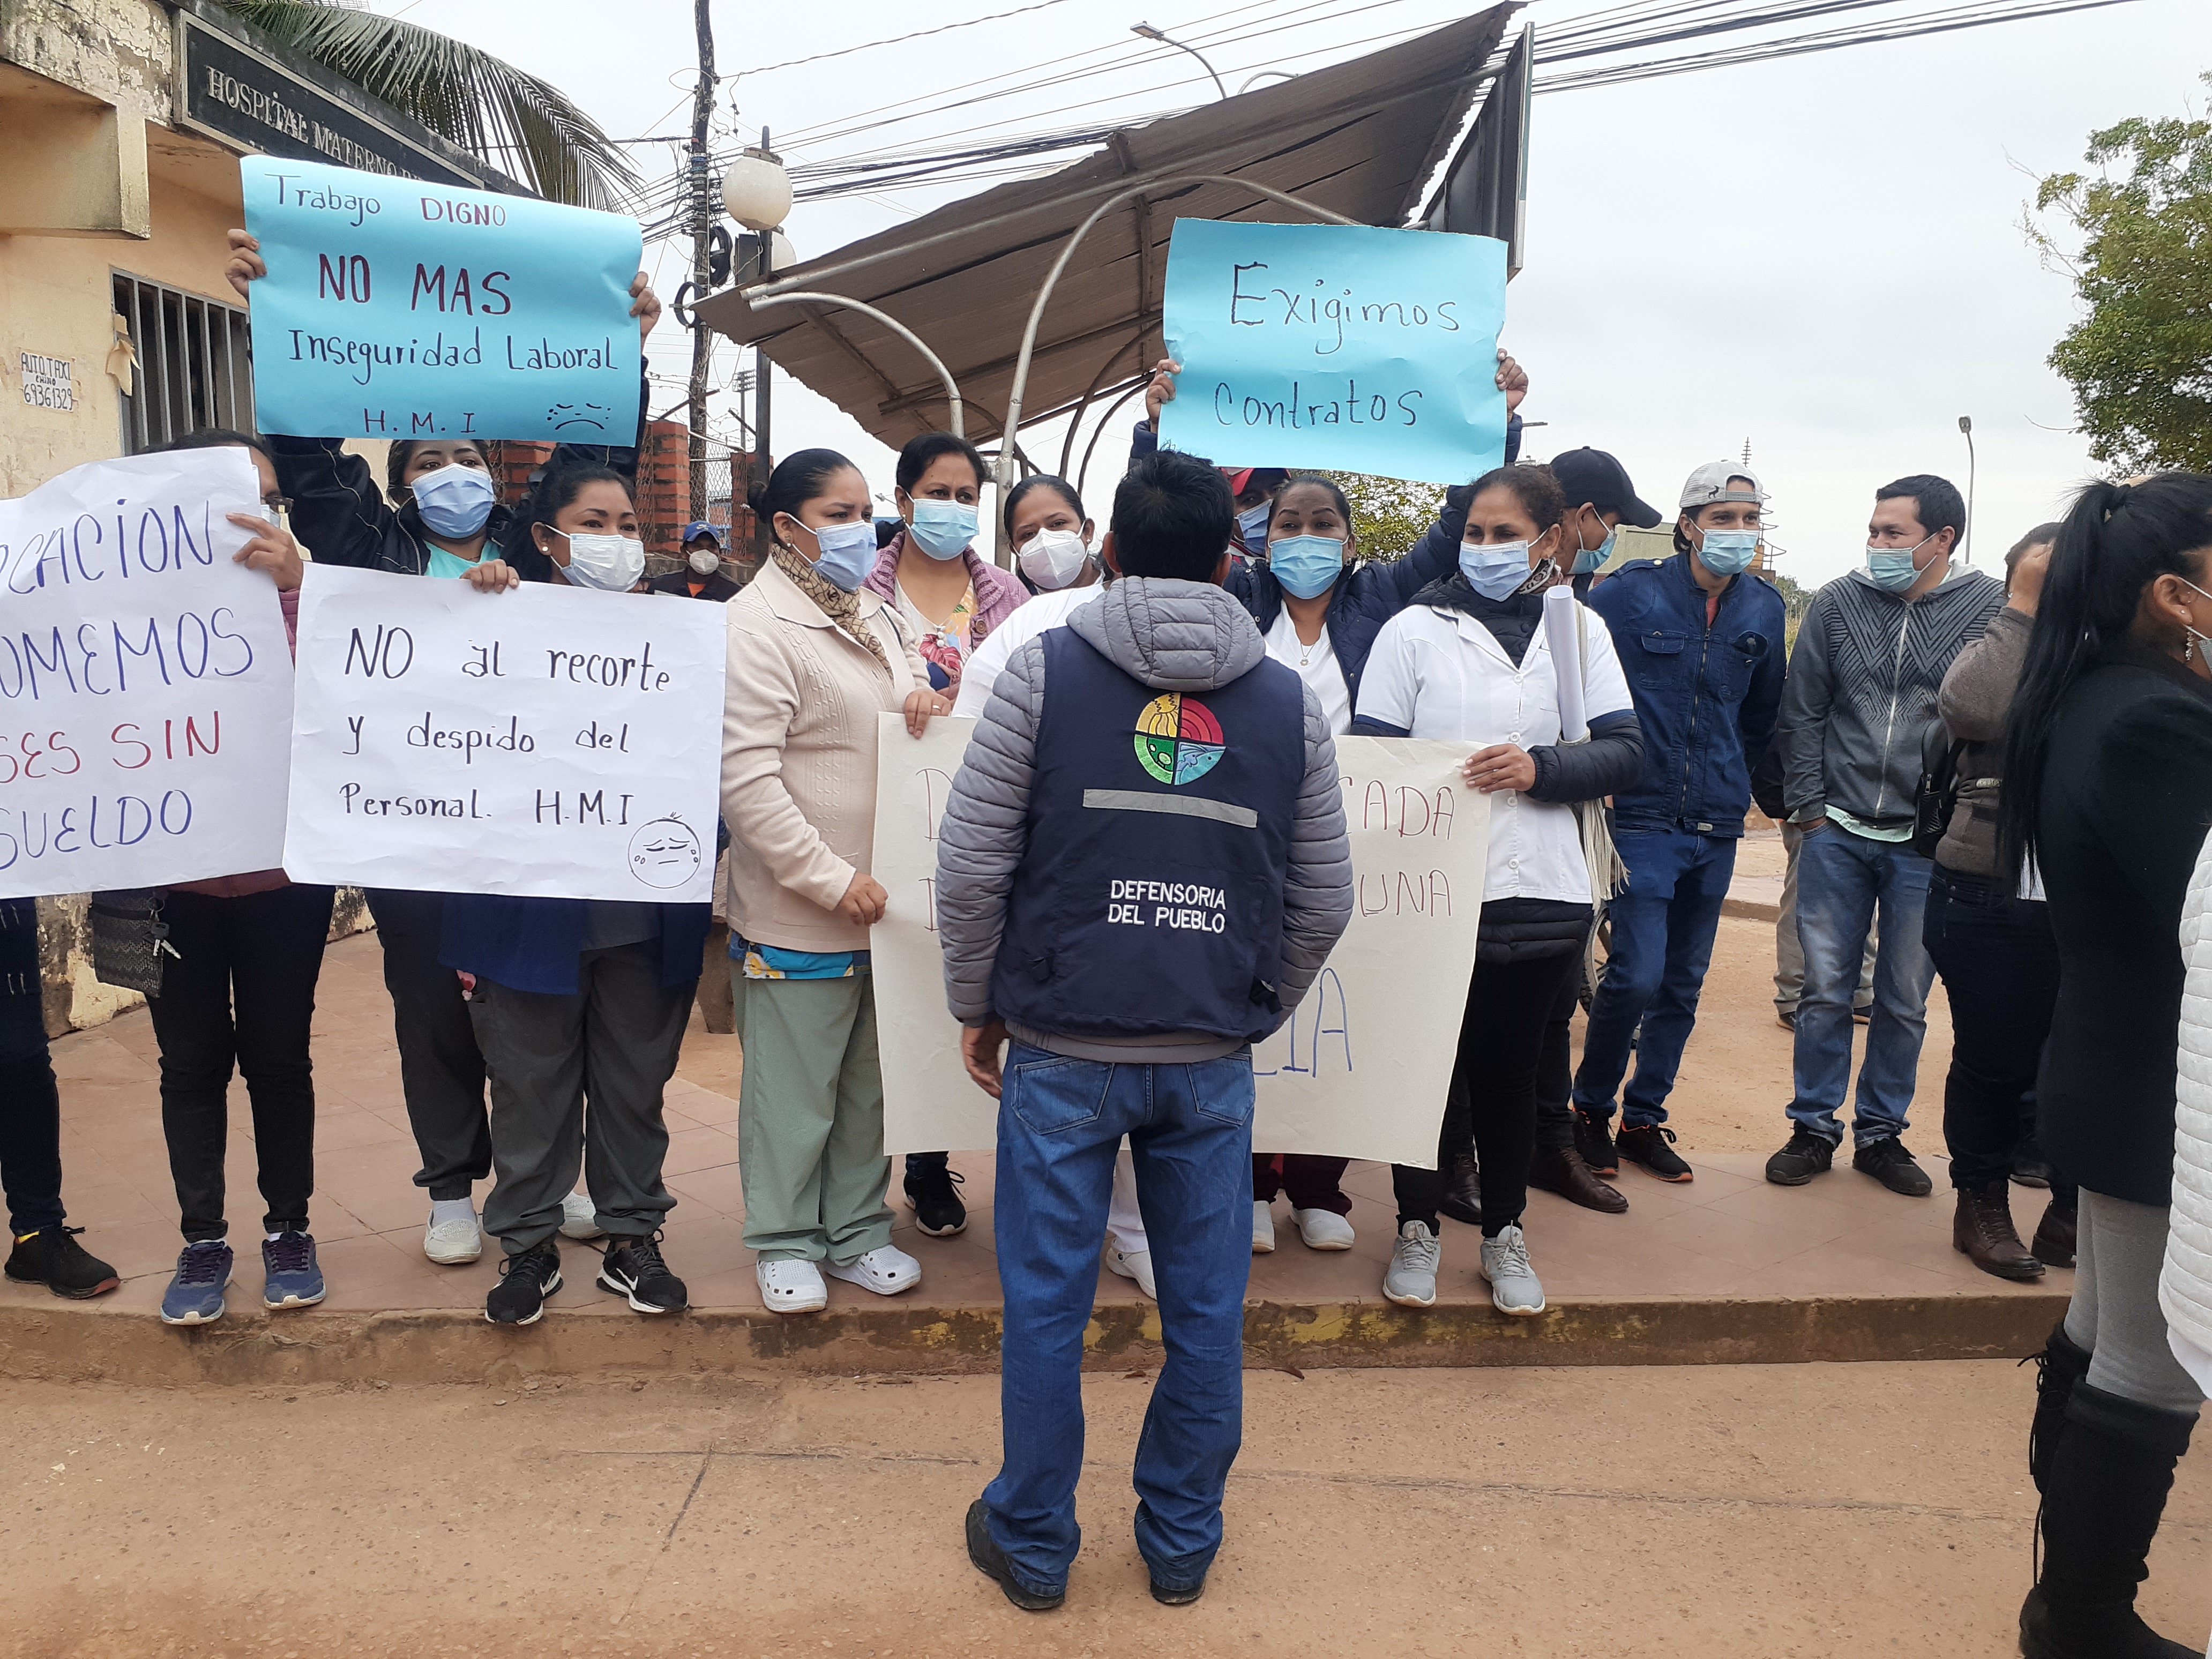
x: 757, y: 191
x: 1966, y: 427
x: 1151, y: 33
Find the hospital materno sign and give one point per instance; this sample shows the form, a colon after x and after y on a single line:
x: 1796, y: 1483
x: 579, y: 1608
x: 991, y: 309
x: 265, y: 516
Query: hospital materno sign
x: 230, y: 91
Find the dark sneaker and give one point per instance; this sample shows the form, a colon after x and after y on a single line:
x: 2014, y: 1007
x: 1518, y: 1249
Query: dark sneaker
x: 937, y: 1210
x: 195, y: 1293
x: 990, y: 1560
x: 1887, y: 1162
x: 1652, y: 1145
x: 1169, y: 1597
x: 53, y: 1257
x: 293, y: 1277
x: 635, y: 1269
x: 524, y: 1282
x: 1462, y: 1198
x: 1805, y: 1156
x: 1786, y: 1018
x: 1594, y: 1140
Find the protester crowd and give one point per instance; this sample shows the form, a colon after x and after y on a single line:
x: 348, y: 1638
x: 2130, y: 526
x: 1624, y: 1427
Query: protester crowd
x: 2007, y: 783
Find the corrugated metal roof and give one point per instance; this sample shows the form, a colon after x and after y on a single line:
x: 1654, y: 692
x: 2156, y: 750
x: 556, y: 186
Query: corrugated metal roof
x: 1359, y: 138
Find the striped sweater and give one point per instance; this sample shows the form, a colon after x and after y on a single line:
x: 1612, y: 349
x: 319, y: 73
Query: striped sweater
x: 1861, y: 692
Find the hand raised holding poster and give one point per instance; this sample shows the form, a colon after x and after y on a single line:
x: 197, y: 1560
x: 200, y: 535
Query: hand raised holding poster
x: 396, y: 308
x: 1340, y: 346
x: 546, y: 741
x: 145, y: 679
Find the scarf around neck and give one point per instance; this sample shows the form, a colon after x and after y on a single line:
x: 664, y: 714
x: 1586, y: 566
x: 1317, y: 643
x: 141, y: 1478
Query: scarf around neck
x: 842, y: 608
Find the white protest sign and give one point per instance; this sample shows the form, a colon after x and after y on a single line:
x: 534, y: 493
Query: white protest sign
x: 145, y: 680
x: 548, y: 742
x: 1361, y: 1068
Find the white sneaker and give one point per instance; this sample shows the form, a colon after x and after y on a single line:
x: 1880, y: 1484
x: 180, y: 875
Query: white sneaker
x: 450, y: 1244
x: 791, y: 1287
x: 1132, y: 1264
x: 886, y: 1270
x: 1411, y: 1281
x: 1263, y: 1228
x: 1323, y: 1230
x: 579, y: 1217
x: 1514, y: 1287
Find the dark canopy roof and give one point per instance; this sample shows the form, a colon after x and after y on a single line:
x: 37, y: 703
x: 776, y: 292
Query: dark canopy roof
x: 1359, y: 138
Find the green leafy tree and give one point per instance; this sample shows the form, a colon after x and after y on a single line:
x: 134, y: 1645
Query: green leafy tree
x: 513, y: 121
x: 2140, y: 361
x: 1388, y: 516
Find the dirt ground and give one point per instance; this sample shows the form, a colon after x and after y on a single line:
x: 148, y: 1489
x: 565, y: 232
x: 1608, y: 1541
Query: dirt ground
x: 1722, y: 1512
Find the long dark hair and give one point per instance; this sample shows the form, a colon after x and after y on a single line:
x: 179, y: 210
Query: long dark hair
x: 552, y: 492
x: 2116, y: 540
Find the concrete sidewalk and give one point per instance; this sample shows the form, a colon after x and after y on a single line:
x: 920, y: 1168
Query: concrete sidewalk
x: 1726, y: 1268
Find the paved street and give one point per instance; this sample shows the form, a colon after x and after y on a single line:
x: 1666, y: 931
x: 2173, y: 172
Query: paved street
x: 1694, y: 1512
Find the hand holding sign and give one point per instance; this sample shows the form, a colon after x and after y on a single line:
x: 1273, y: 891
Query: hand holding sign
x: 390, y: 308
x: 1341, y: 346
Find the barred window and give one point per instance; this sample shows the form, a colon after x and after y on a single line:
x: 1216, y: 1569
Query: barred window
x: 195, y: 363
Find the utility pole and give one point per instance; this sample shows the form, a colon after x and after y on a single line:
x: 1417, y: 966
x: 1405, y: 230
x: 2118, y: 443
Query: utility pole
x: 702, y: 225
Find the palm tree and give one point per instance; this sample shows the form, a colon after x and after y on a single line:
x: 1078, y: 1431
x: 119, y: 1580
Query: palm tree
x: 483, y: 104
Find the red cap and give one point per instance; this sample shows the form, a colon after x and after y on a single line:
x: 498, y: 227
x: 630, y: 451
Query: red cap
x: 1238, y: 479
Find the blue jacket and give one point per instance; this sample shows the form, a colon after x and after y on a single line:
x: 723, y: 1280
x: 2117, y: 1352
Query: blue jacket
x: 534, y: 944
x: 1370, y: 593
x: 1706, y: 698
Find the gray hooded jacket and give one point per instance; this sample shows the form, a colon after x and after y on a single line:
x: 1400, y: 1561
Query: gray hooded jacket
x: 1173, y: 636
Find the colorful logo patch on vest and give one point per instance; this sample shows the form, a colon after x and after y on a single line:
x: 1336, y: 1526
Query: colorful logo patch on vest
x: 1178, y: 740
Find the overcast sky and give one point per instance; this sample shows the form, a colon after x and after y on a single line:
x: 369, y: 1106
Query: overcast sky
x: 1821, y: 255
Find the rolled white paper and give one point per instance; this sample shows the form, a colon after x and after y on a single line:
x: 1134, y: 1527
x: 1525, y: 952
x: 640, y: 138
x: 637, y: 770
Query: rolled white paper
x: 1562, y: 632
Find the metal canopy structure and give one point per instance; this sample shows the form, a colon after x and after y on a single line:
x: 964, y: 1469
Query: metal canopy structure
x: 1358, y: 139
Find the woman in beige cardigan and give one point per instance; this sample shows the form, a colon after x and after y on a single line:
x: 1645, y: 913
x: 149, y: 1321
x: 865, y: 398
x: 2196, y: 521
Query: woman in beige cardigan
x: 812, y: 661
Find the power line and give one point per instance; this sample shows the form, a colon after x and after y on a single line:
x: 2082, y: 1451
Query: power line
x: 896, y: 40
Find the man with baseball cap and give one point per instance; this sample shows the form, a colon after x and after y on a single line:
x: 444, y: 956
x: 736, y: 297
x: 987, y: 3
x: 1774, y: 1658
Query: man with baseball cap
x: 1600, y: 500
x: 1701, y: 642
x: 703, y: 578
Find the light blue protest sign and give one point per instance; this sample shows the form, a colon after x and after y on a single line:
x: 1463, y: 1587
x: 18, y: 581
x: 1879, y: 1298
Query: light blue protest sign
x: 401, y: 308
x: 1337, y: 346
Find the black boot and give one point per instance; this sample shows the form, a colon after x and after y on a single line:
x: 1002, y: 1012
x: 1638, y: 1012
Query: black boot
x: 2057, y: 1369
x: 1462, y: 1198
x: 1982, y: 1231
x: 2054, y: 1234
x: 2109, y: 1475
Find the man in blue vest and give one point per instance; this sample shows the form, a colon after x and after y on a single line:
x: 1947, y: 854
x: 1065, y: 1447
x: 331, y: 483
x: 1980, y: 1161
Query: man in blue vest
x: 1140, y: 869
x: 1701, y: 642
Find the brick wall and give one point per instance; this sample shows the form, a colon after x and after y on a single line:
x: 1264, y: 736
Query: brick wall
x: 663, y: 504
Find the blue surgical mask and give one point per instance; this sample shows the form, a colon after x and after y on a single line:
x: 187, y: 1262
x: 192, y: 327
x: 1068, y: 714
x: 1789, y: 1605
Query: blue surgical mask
x: 1891, y: 568
x: 1252, y: 526
x: 942, y: 529
x: 454, y: 500
x: 848, y: 552
x: 1494, y: 571
x: 1729, y: 552
x: 1589, y: 558
x: 1306, y: 565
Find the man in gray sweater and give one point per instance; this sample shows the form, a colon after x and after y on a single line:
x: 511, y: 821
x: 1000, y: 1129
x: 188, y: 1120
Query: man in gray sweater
x: 1141, y: 867
x: 1870, y: 658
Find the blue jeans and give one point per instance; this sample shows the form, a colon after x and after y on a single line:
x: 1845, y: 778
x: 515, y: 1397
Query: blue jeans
x: 1841, y: 880
x: 1662, y: 931
x: 1190, y: 1132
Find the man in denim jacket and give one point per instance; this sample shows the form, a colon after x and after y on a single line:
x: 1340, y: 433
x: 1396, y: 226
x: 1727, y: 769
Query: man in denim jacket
x: 1701, y: 642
